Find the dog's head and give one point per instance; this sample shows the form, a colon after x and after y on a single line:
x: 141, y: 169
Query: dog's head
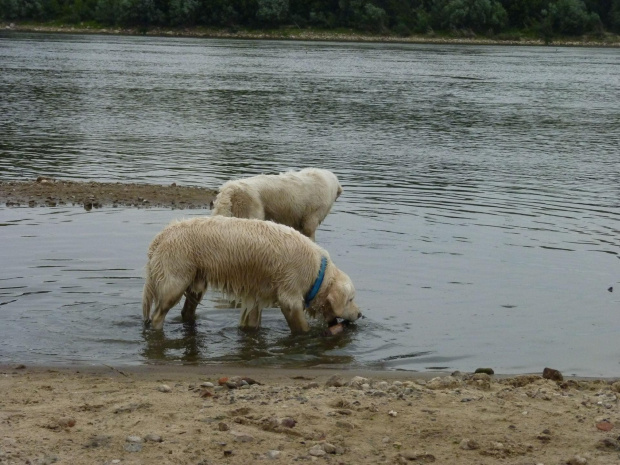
x: 341, y: 299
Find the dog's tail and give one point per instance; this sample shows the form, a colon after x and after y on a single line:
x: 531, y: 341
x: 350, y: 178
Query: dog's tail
x: 222, y: 206
x: 234, y: 201
x: 147, y: 296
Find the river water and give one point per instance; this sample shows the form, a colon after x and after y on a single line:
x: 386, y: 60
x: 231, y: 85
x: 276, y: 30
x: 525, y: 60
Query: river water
x: 479, y: 219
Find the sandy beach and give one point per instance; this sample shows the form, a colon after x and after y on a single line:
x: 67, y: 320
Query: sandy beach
x: 236, y: 415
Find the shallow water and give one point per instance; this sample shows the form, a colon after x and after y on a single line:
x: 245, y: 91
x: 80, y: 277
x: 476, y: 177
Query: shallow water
x: 479, y: 220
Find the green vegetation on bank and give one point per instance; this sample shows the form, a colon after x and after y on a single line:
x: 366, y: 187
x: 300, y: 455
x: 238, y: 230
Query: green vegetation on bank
x: 500, y: 19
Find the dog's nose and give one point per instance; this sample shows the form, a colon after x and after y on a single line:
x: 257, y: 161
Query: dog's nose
x: 359, y: 315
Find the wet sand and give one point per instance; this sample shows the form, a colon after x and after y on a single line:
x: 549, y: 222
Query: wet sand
x: 209, y: 415
x: 51, y: 192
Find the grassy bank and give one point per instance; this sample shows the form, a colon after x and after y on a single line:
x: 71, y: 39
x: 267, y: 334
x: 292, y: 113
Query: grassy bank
x: 338, y: 35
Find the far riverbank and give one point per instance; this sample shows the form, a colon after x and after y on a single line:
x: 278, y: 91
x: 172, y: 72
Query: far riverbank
x: 608, y: 40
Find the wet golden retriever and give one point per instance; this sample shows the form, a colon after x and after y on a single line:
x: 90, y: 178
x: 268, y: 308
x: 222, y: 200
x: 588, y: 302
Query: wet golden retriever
x: 299, y: 199
x: 258, y: 262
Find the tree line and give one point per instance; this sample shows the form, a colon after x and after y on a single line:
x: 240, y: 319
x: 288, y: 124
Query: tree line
x: 400, y: 17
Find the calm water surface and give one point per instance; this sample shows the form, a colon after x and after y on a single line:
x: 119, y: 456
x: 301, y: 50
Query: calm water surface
x: 479, y: 221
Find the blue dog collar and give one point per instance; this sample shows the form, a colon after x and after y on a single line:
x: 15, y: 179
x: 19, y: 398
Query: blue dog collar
x: 317, y: 283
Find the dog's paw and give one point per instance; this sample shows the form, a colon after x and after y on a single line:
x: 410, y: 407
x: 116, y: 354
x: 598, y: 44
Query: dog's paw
x: 333, y: 330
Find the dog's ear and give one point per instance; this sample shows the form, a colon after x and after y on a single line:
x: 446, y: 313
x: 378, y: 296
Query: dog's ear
x: 337, y: 300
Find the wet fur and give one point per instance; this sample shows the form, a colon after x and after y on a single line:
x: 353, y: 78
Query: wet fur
x: 299, y: 199
x: 258, y: 262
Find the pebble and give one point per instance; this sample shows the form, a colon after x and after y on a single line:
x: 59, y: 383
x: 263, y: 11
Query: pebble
x: 317, y: 451
x: 481, y: 381
x: 608, y: 444
x: 446, y: 382
x: 153, y: 438
x: 392, y: 413
x: 344, y: 424
x: 383, y: 386
x: 329, y: 448
x: 357, y: 382
x: 334, y: 381
x: 133, y: 447
x: 242, y: 437
x: 98, y: 441
x: 488, y: 371
x: 164, y: 388
x: 273, y: 454
x: 545, y: 437
x: 66, y: 422
x: 605, y: 425
x: 288, y: 422
x: 207, y: 385
x: 134, y: 439
x: 577, y: 460
x: 416, y: 457
x: 552, y: 374
x: 469, y: 444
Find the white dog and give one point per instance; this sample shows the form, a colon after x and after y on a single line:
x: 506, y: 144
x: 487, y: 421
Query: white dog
x: 259, y: 262
x: 299, y: 199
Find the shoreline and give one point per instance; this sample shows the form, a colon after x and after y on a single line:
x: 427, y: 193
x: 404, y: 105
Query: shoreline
x: 277, y: 372
x: 235, y: 415
x: 612, y: 41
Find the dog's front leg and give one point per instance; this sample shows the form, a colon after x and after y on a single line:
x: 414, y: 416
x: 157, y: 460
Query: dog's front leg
x: 295, y: 317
